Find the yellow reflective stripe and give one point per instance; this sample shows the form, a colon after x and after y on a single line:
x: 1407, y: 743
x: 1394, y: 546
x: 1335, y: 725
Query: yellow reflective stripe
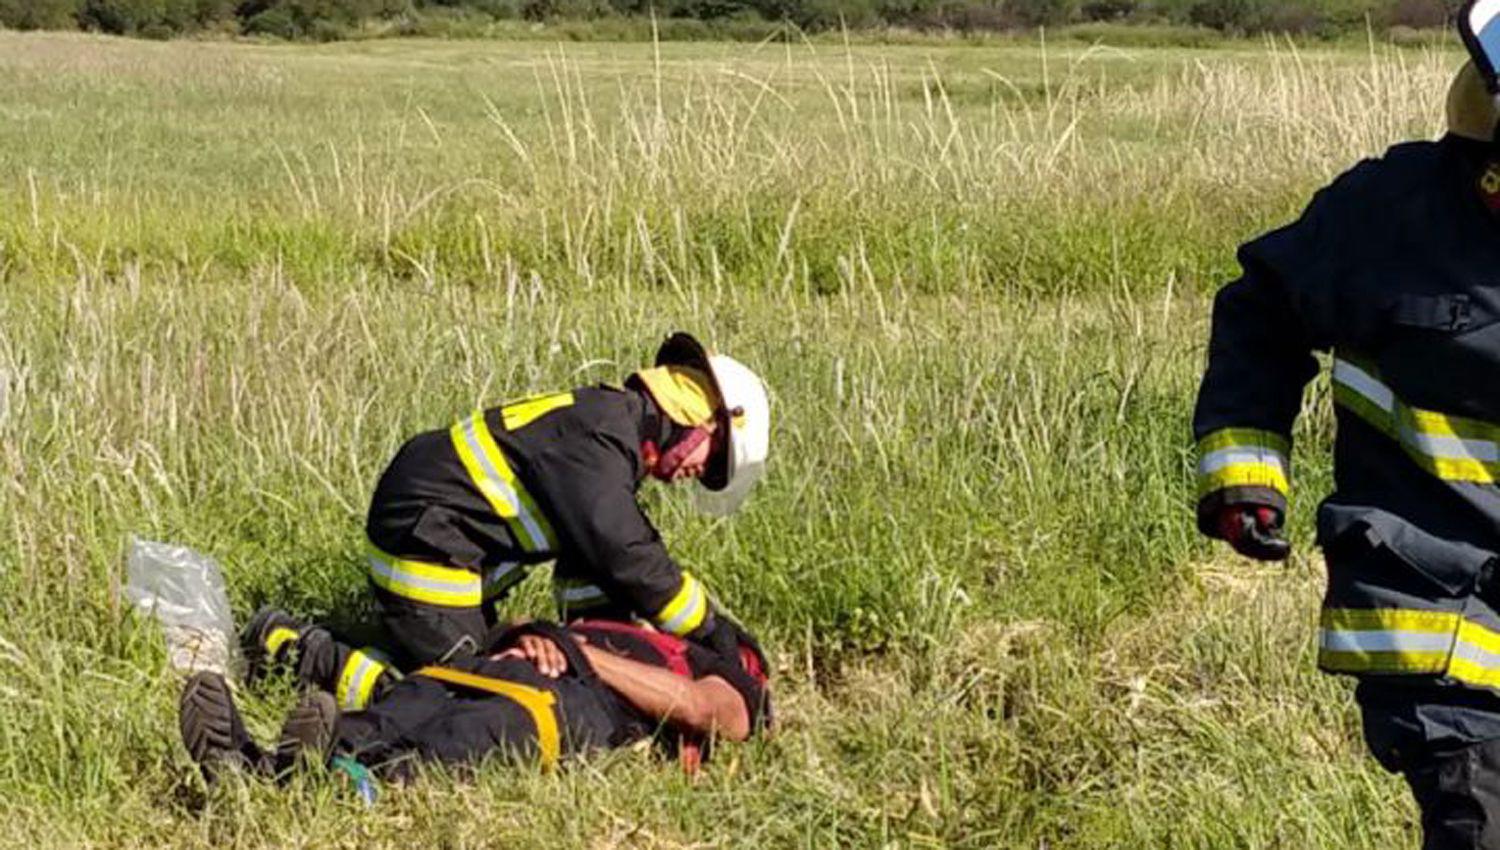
x: 1225, y: 438
x: 356, y: 683
x: 491, y: 473
x: 1400, y: 641
x: 687, y: 609
x: 1386, y: 640
x: 519, y: 414
x: 1243, y: 457
x: 1453, y: 448
x: 423, y: 582
x: 1379, y: 619
x: 1476, y: 657
x: 538, y: 703
x: 279, y: 637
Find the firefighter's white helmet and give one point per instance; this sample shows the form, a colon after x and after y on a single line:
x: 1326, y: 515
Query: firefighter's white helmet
x: 744, y: 413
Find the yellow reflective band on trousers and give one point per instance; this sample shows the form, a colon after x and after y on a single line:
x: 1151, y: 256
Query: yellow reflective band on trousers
x: 492, y: 475
x: 357, y: 680
x: 1243, y: 457
x: 687, y: 609
x: 419, y: 581
x: 279, y: 637
x: 540, y: 704
x: 1406, y: 642
x: 518, y: 414
x: 1453, y: 448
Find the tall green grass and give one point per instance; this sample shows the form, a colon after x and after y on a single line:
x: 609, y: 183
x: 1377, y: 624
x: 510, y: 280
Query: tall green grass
x: 234, y: 278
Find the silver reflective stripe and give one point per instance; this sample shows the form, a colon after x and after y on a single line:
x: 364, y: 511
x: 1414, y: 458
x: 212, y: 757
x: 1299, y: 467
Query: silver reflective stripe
x: 1450, y: 447
x: 367, y: 667
x: 1217, y: 460
x: 539, y: 540
x: 501, y: 577
x: 580, y: 593
x: 1477, y: 654
x: 1361, y: 382
x: 1385, y: 641
x: 396, y: 574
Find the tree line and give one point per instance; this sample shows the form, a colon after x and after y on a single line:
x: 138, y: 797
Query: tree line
x: 334, y: 19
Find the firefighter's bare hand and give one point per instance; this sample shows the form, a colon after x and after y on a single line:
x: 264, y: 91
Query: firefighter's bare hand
x: 545, y: 654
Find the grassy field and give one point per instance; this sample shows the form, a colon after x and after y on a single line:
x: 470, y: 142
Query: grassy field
x: 234, y: 277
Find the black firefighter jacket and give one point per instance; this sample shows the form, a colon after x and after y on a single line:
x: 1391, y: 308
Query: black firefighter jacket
x: 1395, y: 270
x: 460, y: 513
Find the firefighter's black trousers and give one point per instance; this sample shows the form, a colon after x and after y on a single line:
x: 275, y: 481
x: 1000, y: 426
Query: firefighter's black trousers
x: 1459, y: 793
x: 1445, y: 741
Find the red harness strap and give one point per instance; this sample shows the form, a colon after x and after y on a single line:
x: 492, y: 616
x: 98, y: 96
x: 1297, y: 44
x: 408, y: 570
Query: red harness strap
x: 672, y: 649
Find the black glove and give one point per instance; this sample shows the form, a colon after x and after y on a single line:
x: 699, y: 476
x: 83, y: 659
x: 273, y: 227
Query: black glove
x: 724, y: 637
x: 1254, y: 531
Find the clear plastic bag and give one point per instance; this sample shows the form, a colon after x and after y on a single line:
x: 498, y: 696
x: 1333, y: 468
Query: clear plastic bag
x: 184, y: 591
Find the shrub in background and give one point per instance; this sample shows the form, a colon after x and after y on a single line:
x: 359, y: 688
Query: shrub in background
x: 1043, y: 13
x: 39, y: 14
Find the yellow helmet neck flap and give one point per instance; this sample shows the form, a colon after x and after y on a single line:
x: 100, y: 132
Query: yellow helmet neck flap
x: 683, y: 394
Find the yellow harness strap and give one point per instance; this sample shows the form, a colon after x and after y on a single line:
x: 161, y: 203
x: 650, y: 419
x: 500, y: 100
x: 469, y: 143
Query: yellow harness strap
x: 540, y: 704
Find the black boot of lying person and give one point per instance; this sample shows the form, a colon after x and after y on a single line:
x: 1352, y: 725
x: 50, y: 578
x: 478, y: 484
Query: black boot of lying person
x: 213, y: 730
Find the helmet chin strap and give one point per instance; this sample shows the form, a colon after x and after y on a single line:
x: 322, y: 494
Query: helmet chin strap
x: 664, y: 464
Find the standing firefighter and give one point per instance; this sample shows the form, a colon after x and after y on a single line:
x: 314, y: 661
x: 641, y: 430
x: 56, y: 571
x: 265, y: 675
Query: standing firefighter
x: 461, y: 514
x: 1395, y: 270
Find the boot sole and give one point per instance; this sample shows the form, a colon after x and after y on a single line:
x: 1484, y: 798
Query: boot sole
x: 205, y: 714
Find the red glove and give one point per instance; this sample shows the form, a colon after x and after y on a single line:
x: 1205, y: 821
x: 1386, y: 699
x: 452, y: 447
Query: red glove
x: 1254, y: 531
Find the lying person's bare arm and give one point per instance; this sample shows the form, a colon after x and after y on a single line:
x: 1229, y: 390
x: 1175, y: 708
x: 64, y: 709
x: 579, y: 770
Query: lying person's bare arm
x: 709, y: 705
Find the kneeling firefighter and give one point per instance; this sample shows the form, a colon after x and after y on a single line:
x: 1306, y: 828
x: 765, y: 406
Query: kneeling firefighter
x: 1393, y: 270
x: 461, y: 513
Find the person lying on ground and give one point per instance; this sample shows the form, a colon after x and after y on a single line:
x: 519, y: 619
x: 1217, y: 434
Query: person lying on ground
x: 540, y: 693
x: 460, y: 514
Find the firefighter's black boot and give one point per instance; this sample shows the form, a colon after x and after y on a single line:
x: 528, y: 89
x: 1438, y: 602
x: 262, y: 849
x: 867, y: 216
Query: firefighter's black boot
x: 213, y: 730
x: 269, y: 640
x: 308, y: 731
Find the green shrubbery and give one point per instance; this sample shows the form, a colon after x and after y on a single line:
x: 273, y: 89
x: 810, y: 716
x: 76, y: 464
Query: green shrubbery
x: 332, y: 19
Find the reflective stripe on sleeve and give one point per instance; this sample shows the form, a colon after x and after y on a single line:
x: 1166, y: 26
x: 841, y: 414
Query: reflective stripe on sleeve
x: 362, y: 670
x: 491, y: 473
x: 540, y: 704
x: 423, y: 582
x: 1243, y: 457
x: 1453, y: 448
x: 687, y: 609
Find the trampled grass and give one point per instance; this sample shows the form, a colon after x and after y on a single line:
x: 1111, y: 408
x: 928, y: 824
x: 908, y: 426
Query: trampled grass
x: 234, y: 277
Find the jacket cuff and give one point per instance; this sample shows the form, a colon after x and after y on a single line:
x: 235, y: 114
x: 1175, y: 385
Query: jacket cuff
x: 686, y: 611
x: 1242, y: 466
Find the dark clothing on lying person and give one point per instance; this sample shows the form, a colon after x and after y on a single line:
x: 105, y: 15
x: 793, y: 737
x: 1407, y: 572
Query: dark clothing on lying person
x: 461, y: 712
